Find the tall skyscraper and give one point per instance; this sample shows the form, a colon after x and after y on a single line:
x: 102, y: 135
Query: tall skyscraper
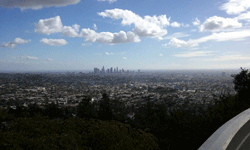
x: 103, y: 70
x: 111, y: 70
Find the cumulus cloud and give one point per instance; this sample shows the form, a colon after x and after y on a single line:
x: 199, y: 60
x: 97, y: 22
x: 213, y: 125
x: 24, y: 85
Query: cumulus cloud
x: 180, y: 43
x: 124, y: 57
x: 219, y: 23
x: 144, y: 27
x: 71, y: 31
x: 108, y: 37
x: 160, y: 55
x: 36, y: 4
x: 219, y: 37
x: 13, y: 44
x: 244, y: 16
x: 194, y: 54
x: 235, y: 6
x: 110, y: 1
x: 54, y: 25
x: 48, y: 26
x: 54, y: 42
x: 196, y: 22
x: 175, y: 24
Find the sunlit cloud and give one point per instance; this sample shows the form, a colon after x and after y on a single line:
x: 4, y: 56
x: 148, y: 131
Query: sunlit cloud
x: 14, y: 43
x: 219, y: 23
x: 144, y: 27
x: 235, y: 6
x: 54, y: 42
x: 108, y: 37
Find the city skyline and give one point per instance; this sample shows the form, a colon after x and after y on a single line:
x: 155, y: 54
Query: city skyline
x: 110, y: 70
x: 132, y: 34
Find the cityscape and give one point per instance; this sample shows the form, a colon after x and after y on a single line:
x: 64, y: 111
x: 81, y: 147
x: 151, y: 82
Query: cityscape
x: 124, y: 74
x: 110, y: 70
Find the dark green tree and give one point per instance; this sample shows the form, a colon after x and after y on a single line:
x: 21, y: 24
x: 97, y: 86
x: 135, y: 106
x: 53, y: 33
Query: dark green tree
x: 53, y: 111
x: 85, y: 109
x: 242, y: 85
x: 105, y: 111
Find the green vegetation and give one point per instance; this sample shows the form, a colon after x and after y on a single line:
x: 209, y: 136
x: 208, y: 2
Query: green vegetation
x: 162, y: 90
x: 104, y: 125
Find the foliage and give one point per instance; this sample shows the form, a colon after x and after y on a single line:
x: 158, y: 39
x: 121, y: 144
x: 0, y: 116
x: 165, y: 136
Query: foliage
x: 39, y: 132
x: 105, y: 111
x: 85, y: 109
x: 242, y: 84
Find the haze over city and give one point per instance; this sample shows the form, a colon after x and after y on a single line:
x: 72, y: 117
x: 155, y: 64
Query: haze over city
x: 131, y: 34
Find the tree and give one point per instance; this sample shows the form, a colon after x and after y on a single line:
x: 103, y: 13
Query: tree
x: 53, y: 111
x: 242, y: 85
x: 85, y: 109
x: 105, y: 111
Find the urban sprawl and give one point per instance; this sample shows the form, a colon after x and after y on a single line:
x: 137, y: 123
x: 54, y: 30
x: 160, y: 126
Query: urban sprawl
x: 131, y: 87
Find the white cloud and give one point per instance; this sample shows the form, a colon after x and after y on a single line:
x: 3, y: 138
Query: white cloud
x: 144, y: 27
x: 108, y: 37
x: 49, y: 59
x: 244, y: 16
x: 110, y: 1
x: 176, y: 35
x: 222, y: 36
x: 71, y: 31
x: 194, y: 54
x: 13, y: 44
x: 180, y: 43
x: 54, y: 42
x: 109, y: 53
x: 160, y: 55
x: 235, y: 6
x: 219, y: 23
x: 95, y: 27
x: 124, y: 57
x: 28, y: 57
x: 226, y: 36
x: 196, y: 22
x: 54, y: 25
x: 36, y: 4
x: 229, y: 58
x: 48, y: 26
x: 175, y: 24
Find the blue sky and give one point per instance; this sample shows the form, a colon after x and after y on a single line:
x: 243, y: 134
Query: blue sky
x: 129, y: 34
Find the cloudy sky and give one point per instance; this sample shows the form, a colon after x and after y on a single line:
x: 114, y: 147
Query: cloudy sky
x: 129, y: 34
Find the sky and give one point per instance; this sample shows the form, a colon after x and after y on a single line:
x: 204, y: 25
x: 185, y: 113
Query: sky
x: 129, y: 34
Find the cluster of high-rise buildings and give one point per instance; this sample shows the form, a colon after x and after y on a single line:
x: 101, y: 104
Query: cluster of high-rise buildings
x: 111, y: 70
